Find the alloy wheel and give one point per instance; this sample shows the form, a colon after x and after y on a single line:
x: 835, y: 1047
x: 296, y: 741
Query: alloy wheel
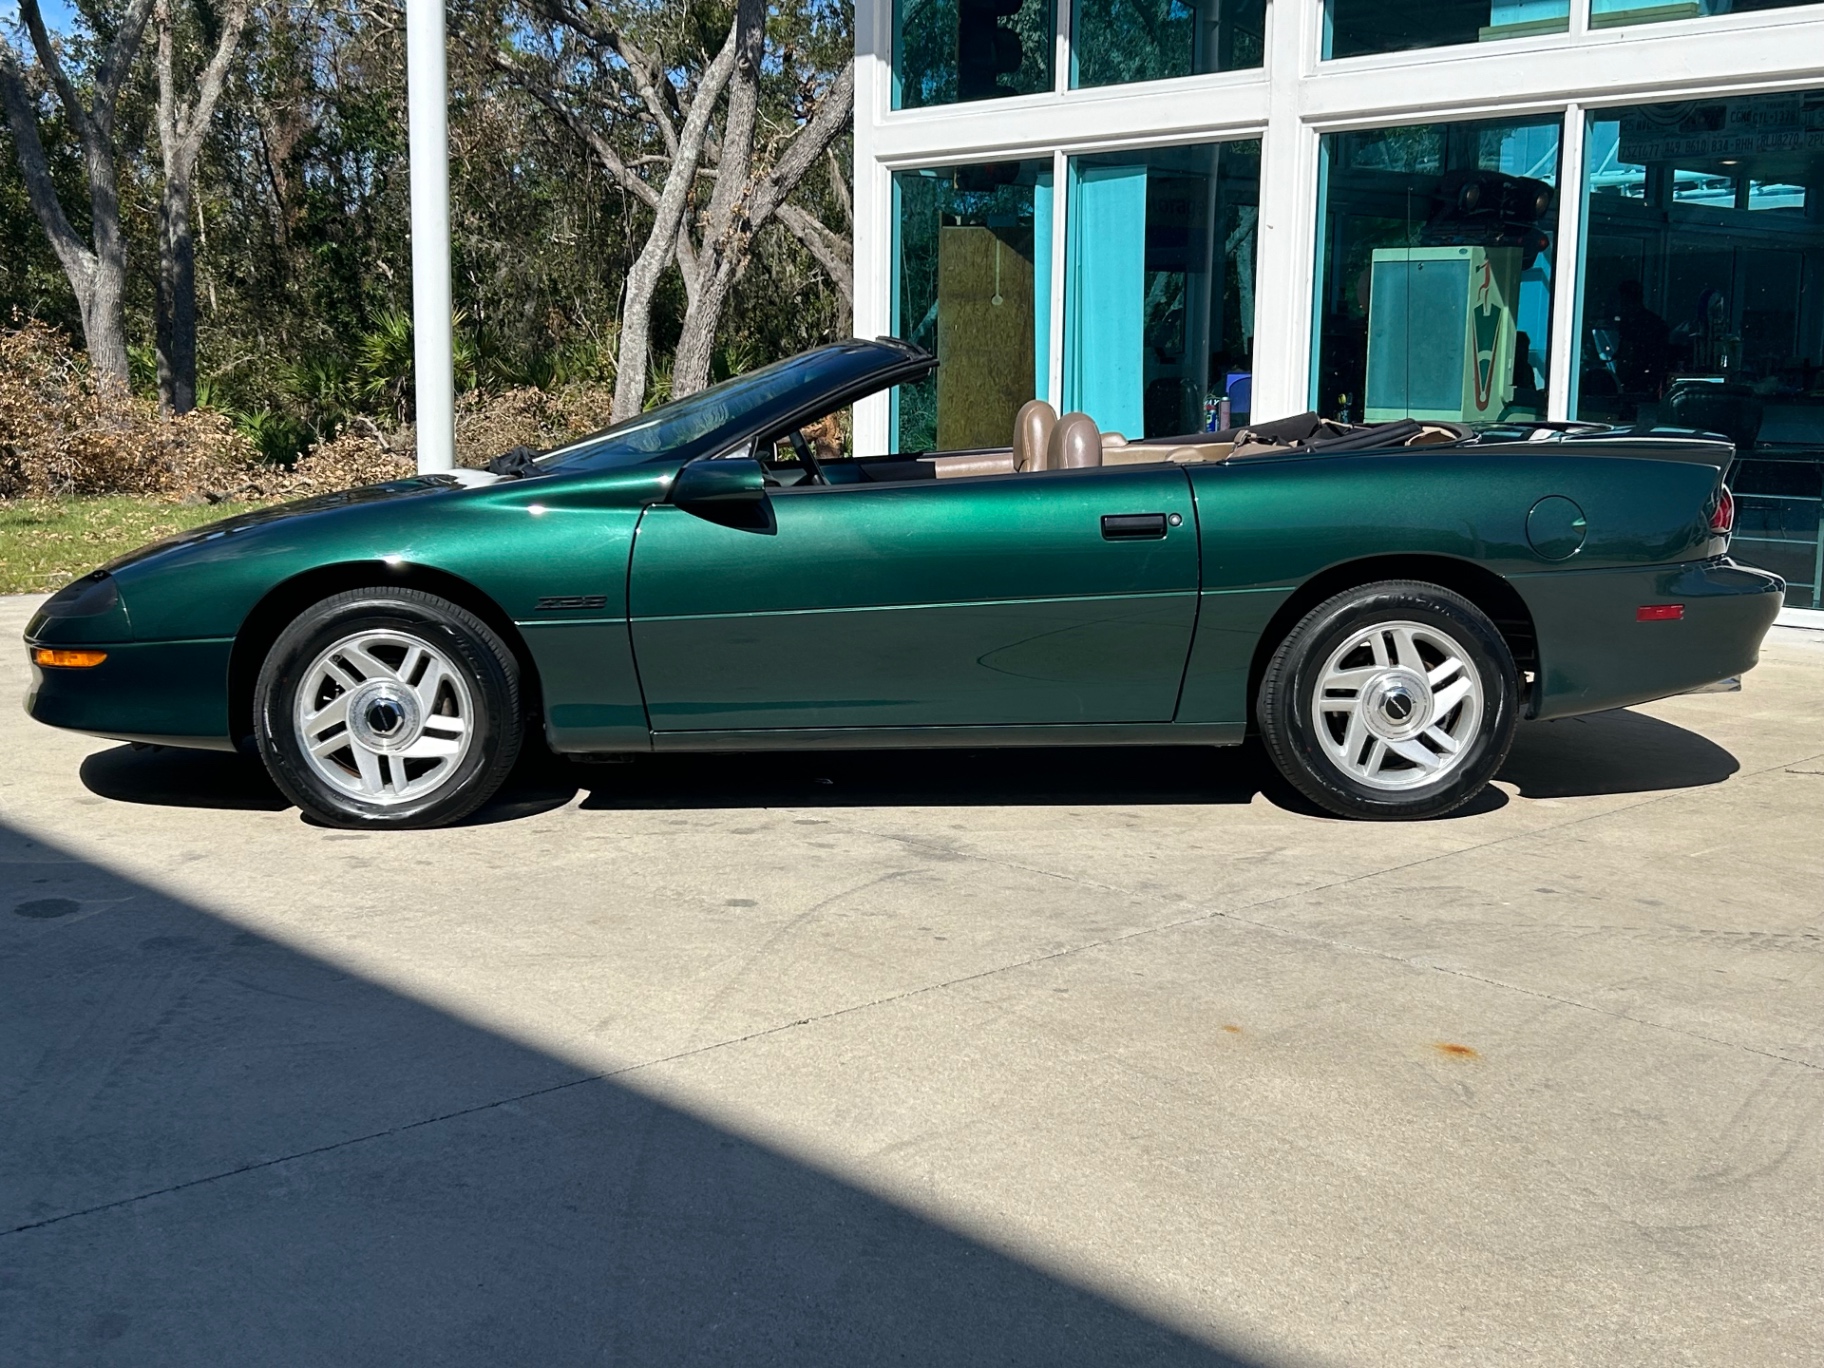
x: 384, y: 716
x: 1397, y: 704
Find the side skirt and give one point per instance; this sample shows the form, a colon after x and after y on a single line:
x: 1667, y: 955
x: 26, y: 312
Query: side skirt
x: 918, y: 738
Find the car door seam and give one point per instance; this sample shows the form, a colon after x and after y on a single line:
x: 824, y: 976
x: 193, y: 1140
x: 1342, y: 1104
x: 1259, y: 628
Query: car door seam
x: 633, y: 654
x: 1190, y: 646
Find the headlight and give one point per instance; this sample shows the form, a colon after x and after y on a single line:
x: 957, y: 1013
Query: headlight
x: 90, y: 596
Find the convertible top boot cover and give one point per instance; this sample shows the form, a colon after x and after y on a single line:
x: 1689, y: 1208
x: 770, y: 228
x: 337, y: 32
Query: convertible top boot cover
x: 1032, y: 428
x: 1075, y: 443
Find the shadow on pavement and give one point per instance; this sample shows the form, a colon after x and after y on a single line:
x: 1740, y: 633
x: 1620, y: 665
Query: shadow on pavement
x: 1612, y: 752
x: 163, y: 776
x: 215, y: 1149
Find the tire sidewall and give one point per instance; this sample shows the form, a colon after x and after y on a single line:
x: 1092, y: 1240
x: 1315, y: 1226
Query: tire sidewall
x: 1287, y: 695
x: 463, y: 639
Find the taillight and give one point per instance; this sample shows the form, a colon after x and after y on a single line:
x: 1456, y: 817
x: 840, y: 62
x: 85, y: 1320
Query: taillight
x: 1722, y: 518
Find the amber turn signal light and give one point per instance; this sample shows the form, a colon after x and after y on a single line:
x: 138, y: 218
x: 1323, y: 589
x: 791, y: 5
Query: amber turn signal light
x: 55, y: 659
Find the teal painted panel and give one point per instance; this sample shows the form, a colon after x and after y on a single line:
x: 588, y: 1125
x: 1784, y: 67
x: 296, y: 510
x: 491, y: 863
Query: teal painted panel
x: 946, y: 602
x: 1105, y: 297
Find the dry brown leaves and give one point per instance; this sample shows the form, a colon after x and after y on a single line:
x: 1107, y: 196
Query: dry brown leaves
x: 62, y: 433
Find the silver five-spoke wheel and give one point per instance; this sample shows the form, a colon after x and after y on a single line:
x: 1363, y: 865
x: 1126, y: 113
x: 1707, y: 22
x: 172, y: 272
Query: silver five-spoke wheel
x: 1397, y: 704
x: 1395, y: 699
x: 388, y: 707
x: 384, y: 716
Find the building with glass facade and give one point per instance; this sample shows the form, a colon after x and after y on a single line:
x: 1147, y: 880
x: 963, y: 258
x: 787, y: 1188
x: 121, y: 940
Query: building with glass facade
x: 1168, y: 212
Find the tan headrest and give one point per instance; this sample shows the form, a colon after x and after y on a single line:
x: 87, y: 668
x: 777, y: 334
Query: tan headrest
x: 1074, y: 444
x: 1032, y: 429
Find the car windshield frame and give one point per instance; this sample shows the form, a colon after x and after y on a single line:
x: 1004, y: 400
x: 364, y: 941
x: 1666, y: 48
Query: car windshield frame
x: 733, y: 411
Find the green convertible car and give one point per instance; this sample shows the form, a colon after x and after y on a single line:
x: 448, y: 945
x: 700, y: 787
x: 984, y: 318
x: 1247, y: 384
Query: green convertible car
x: 1381, y: 604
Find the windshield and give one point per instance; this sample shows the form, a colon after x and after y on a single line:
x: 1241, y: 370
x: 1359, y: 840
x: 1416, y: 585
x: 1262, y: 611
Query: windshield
x: 699, y: 423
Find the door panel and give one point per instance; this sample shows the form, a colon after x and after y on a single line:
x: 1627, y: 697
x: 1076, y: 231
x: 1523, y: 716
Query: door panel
x: 942, y: 602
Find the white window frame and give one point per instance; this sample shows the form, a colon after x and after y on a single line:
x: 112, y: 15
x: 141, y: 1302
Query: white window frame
x: 1289, y: 103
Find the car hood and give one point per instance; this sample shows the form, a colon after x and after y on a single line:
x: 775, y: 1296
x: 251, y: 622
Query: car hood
x: 412, y: 487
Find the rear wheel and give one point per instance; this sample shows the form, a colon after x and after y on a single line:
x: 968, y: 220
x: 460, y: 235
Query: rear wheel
x: 1394, y: 700
x: 388, y: 708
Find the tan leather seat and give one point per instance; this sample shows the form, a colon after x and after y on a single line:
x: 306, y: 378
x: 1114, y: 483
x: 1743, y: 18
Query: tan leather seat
x: 1074, y: 443
x: 1032, y: 428
x: 970, y: 463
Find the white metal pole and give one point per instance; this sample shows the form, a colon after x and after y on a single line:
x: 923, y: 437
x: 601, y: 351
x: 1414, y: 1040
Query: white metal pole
x: 433, y: 349
x: 1566, y: 342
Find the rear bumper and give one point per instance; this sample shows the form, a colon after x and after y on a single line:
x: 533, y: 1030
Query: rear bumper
x: 1595, y: 654
x: 168, y: 692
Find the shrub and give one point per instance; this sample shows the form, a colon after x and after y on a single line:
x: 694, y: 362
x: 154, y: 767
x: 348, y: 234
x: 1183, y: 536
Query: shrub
x: 62, y: 432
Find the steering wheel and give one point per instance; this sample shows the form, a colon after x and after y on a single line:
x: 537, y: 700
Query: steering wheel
x: 806, y: 457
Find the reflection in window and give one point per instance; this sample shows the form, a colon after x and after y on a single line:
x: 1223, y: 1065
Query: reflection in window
x: 1354, y: 28
x: 1435, y: 285
x: 1612, y: 13
x: 946, y: 51
x: 1115, y: 41
x: 1703, y: 301
x: 1159, y: 287
x: 972, y: 284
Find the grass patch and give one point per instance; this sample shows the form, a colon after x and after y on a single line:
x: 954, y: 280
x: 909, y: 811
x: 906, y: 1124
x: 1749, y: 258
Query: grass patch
x: 46, y: 543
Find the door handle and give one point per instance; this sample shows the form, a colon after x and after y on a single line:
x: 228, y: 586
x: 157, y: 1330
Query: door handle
x: 1133, y: 526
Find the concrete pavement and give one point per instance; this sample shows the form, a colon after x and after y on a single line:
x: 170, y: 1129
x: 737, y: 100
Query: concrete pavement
x: 1046, y: 1058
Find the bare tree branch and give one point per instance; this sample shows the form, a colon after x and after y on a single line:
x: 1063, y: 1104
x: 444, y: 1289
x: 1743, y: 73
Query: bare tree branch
x: 73, y: 107
x: 829, y: 249
x: 72, y: 253
x: 603, y: 151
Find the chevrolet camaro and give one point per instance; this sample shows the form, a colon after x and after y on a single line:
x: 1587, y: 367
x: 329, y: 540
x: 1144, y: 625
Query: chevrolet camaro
x: 1381, y: 604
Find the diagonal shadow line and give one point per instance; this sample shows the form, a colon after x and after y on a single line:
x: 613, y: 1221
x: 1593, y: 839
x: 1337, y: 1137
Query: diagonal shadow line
x: 388, y: 1183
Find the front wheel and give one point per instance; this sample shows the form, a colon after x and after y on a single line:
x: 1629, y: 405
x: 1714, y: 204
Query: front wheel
x: 1394, y: 700
x: 388, y: 708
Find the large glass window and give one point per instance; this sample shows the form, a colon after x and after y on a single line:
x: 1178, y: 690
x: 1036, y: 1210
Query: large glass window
x: 1354, y: 28
x: 1159, y: 287
x: 945, y: 51
x: 1114, y: 41
x: 1611, y: 13
x: 972, y: 283
x: 1437, y: 244
x: 1702, y: 301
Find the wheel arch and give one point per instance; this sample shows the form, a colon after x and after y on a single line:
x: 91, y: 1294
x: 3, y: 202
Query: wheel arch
x: 1477, y: 583
x: 284, y: 601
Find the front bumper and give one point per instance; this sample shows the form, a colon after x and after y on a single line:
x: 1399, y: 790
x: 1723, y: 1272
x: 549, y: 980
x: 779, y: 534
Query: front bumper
x: 1594, y: 653
x: 166, y: 692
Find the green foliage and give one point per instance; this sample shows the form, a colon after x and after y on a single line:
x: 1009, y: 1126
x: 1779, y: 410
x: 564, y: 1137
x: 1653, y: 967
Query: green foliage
x: 279, y: 437
x: 301, y: 209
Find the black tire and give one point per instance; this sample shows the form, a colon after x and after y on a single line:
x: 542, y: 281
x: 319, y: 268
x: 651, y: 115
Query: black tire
x: 479, y: 691
x: 1313, y: 750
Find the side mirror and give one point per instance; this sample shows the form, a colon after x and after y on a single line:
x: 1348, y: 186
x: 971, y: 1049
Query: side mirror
x: 724, y: 481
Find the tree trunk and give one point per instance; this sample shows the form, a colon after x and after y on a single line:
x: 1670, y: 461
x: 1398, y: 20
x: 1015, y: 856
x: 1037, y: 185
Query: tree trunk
x: 690, y: 366
x: 104, y: 311
x: 97, y: 269
x: 744, y: 202
x: 176, y: 300
x: 180, y: 134
x: 661, y: 242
